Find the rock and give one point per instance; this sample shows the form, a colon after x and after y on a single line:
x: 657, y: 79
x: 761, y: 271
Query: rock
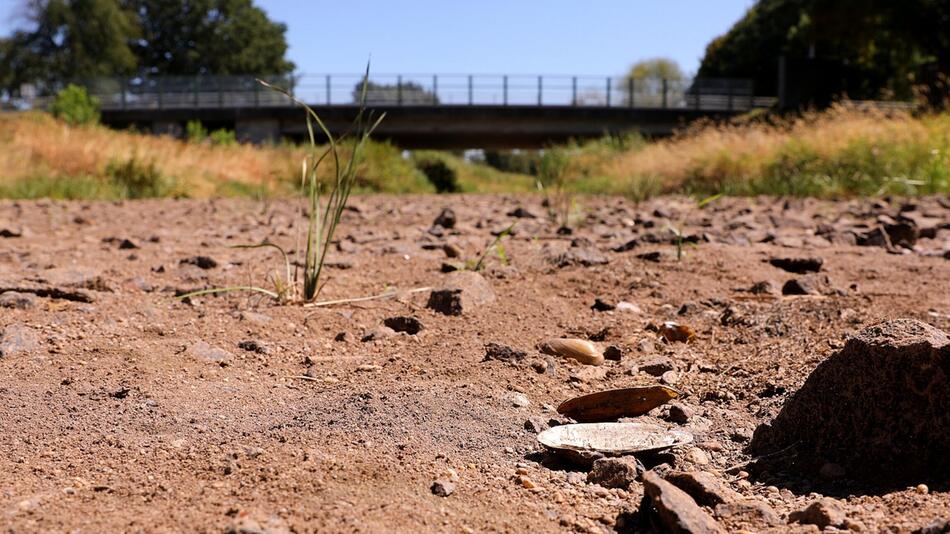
x: 656, y: 366
x: 680, y: 413
x: 655, y: 256
x: 446, y: 219
x: 937, y: 526
x: 202, y: 262
x: 15, y: 339
x: 504, y: 353
x: 127, y: 244
x: 521, y: 213
x: 451, y: 250
x: 600, y: 305
x: 822, y: 513
x: 375, y: 334
x: 442, y: 488
x: 7, y: 232
x: 535, y: 425
x: 620, y: 472
x: 255, y: 318
x: 878, y: 407
x: 809, y: 284
x: 613, y: 353
x: 436, y: 230
x: 409, y: 325
x: 798, y: 265
x: 461, y: 293
x: 762, y: 288
x: 252, y: 345
x: 210, y: 353
x: 245, y: 523
x: 891, y: 234
x: 519, y: 400
x: 627, y: 245
x: 704, y: 487
x: 76, y: 277
x: 672, y: 509
x: 17, y: 300
x: 583, y: 256
x: 343, y: 337
x: 748, y: 511
x: 628, y: 307
x: 697, y: 456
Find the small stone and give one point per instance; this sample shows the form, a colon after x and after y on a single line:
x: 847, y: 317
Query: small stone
x: 535, y: 425
x: 675, y: 511
x: 657, y: 366
x: 823, y: 513
x: 922, y: 489
x: 461, y: 293
x: 628, y: 307
x: 409, y: 325
x: 452, y: 250
x: 704, y: 487
x: 202, y: 262
x: 762, y: 288
x: 17, y: 300
x: 210, y: 353
x: 619, y: 472
x: 613, y: 353
x: 575, y: 478
x: 375, y: 334
x: 446, y: 219
x: 526, y: 482
x: 583, y: 256
x: 521, y: 213
x: 442, y: 488
x: 680, y: 413
x: 504, y: 353
x: 669, y: 378
x: 697, y: 456
x: 15, y: 339
x: 520, y: 400
x: 602, y: 306
x: 748, y: 511
x: 253, y: 346
x: 343, y: 337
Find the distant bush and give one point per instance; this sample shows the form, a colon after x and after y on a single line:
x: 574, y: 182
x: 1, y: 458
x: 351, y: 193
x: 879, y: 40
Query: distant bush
x: 223, y: 137
x: 439, y: 173
x: 195, y: 132
x: 136, y: 179
x: 518, y: 161
x: 75, y: 106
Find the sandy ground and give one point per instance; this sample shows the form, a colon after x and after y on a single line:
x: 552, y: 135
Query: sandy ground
x: 136, y: 412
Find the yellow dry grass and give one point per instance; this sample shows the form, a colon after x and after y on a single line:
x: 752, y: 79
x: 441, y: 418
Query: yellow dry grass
x: 34, y: 144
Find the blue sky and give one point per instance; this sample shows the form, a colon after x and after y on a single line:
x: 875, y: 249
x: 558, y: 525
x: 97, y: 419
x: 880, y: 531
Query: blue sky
x: 590, y: 37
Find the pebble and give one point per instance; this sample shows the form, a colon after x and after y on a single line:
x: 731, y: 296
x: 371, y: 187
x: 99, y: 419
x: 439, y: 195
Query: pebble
x: 17, y: 300
x: 442, y: 488
x: 520, y: 400
x: 526, y: 482
x: 922, y: 489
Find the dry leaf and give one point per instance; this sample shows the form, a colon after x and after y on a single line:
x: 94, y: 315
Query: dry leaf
x: 612, y: 438
x: 616, y: 403
x: 577, y: 349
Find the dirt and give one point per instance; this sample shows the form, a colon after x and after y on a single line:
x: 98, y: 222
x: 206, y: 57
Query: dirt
x: 125, y: 409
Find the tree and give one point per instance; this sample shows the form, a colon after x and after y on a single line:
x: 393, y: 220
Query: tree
x: 208, y: 37
x: 656, y: 69
x: 70, y: 39
x: 865, y: 49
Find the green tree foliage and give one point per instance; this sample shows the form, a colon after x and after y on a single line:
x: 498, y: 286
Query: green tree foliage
x: 75, y: 106
x: 67, y: 40
x: 656, y: 69
x: 208, y: 37
x: 864, y: 49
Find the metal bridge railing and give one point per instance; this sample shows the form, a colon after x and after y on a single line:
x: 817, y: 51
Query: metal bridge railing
x: 189, y: 92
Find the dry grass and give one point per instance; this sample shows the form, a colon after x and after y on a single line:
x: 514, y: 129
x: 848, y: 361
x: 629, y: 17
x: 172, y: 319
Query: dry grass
x: 842, y: 151
x: 35, y: 145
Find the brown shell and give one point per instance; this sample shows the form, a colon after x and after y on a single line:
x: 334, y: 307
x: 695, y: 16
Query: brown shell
x: 616, y: 403
x: 578, y: 349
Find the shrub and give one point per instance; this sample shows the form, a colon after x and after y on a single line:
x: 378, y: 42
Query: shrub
x: 75, y: 106
x: 196, y: 132
x: 439, y: 173
x: 136, y: 179
x: 223, y: 137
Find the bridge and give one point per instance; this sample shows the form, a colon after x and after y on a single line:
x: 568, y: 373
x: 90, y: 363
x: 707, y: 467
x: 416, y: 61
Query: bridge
x: 427, y: 111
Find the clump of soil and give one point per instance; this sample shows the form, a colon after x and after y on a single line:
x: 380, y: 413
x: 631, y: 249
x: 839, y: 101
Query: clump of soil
x: 878, y: 408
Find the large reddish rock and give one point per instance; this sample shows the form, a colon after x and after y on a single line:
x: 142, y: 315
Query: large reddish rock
x: 878, y: 408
